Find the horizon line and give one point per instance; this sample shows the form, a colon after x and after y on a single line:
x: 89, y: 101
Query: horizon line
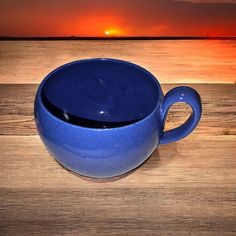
x: 2, y: 38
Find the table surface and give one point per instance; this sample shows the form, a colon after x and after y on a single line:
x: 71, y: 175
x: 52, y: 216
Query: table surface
x: 184, y: 188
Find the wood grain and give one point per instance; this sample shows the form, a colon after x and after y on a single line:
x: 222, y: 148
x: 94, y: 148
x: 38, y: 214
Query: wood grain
x: 185, y: 188
x: 173, y: 61
x: 219, y: 109
x: 194, y: 162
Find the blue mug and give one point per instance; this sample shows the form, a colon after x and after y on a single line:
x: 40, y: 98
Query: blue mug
x: 104, y: 117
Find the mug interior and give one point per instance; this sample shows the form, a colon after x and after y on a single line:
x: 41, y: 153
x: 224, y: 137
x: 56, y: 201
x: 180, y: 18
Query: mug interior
x: 100, y: 93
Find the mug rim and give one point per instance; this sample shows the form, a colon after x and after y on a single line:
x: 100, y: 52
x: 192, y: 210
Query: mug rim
x: 149, y: 75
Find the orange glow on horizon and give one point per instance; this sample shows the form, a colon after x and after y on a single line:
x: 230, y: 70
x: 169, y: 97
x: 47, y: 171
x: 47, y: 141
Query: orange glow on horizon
x: 97, y: 26
x: 116, y: 18
x: 113, y: 32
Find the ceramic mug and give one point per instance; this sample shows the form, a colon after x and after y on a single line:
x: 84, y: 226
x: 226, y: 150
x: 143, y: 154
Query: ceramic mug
x: 104, y: 117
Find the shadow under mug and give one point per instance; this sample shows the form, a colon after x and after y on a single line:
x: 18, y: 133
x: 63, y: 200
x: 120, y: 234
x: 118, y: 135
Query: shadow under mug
x: 104, y: 117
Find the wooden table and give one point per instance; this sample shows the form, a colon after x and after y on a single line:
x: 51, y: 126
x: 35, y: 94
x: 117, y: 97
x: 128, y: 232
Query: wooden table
x: 185, y: 188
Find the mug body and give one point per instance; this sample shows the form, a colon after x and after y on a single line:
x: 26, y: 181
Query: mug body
x: 99, y: 117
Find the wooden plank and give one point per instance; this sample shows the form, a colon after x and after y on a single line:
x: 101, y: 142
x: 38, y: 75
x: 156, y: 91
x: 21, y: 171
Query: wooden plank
x: 118, y: 212
x: 185, y: 188
x: 193, y: 162
x: 172, y: 61
x: 219, y: 109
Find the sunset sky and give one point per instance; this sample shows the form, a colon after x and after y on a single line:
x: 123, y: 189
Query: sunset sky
x: 118, y: 18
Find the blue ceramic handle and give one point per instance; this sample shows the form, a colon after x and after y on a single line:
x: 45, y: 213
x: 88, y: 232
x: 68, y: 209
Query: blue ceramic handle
x: 181, y: 94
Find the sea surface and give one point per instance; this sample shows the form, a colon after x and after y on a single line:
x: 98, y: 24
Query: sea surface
x: 171, y: 61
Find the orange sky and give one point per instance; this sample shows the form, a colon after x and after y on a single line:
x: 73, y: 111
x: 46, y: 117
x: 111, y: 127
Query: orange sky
x: 118, y: 18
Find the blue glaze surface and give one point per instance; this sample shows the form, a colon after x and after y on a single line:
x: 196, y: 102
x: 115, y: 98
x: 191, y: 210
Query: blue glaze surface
x: 104, y: 117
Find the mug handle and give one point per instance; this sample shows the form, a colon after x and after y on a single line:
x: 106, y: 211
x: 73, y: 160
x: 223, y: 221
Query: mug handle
x: 181, y: 94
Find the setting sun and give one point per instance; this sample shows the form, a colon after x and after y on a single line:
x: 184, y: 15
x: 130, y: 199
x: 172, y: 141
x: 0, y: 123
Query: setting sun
x: 112, y: 32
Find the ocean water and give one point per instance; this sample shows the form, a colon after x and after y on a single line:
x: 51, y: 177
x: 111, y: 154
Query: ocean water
x: 171, y: 61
